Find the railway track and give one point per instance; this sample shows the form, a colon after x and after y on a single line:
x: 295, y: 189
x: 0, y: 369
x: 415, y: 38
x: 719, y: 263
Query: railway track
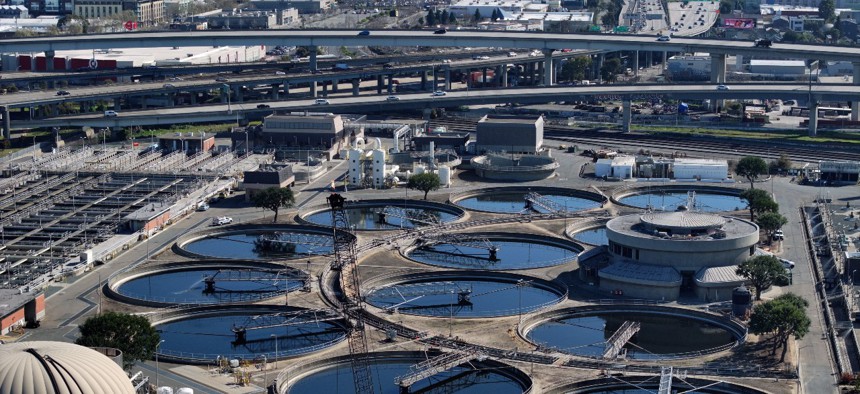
x: 707, y: 146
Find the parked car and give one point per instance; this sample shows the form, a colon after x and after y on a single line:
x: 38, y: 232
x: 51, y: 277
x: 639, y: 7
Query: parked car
x: 788, y: 264
x: 440, y: 93
x: 62, y: 93
x: 778, y: 235
x: 202, y: 207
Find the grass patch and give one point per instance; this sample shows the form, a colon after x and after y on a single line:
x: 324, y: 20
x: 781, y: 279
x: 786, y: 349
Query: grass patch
x: 7, y: 152
x: 824, y: 137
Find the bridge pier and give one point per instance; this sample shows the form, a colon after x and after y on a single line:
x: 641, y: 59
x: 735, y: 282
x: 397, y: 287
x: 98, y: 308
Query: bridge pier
x: 855, y: 104
x: 49, y: 65
x: 600, y: 58
x: 286, y: 89
x: 447, y: 79
x: 7, y: 123
x: 379, y: 84
x: 239, y: 96
x: 324, y: 88
x: 435, y: 80
x: 116, y: 104
x: 312, y: 58
x: 334, y: 86
x: 635, y: 63
x: 356, y: 84
x: 718, y: 73
x: 313, y: 88
x: 538, y: 76
x: 547, y: 67
x: 276, y: 89
x: 483, y: 76
x: 503, y: 76
x: 424, y: 80
x: 626, y: 115
x: 390, y: 83
x: 193, y: 98
x: 813, y: 118
x: 665, y: 61
x: 649, y: 58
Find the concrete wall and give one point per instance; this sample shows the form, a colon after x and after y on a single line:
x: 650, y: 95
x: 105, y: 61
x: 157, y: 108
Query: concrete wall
x: 651, y: 292
x: 716, y: 293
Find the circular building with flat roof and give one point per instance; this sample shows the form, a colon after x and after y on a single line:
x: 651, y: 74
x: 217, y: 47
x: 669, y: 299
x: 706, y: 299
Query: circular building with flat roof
x: 58, y: 367
x: 659, y: 255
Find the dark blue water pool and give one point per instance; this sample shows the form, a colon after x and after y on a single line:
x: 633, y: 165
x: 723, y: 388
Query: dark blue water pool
x: 510, y: 255
x: 188, y: 287
x: 669, y: 201
x: 210, y: 337
x: 247, y: 246
x: 660, y: 335
x: 462, y: 298
x: 368, y: 218
x: 460, y: 380
x: 595, y: 236
x: 514, y: 202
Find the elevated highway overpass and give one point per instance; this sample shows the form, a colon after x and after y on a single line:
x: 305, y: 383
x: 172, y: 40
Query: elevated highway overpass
x: 624, y: 93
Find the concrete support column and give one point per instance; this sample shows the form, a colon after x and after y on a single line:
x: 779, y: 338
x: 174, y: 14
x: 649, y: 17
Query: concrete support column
x: 324, y: 88
x: 49, y: 65
x: 379, y: 84
x: 626, y: 115
x: 424, y: 80
x: 538, y: 75
x: 334, y: 84
x: 498, y: 77
x: 436, y: 79
x: 547, y: 67
x: 483, y: 76
x: 171, y: 97
x: 193, y: 98
x: 276, y: 90
x: 649, y: 59
x: 312, y: 58
x: 855, y: 104
x: 7, y: 123
x: 390, y: 83
x: 238, y: 96
x: 635, y: 63
x: 503, y: 76
x: 286, y: 89
x: 718, y: 68
x: 665, y: 61
x: 356, y: 84
x: 313, y: 89
x: 530, y: 73
x: 428, y: 112
x: 448, y: 79
x: 116, y: 104
x: 599, y: 65
x: 813, y: 118
x: 55, y: 109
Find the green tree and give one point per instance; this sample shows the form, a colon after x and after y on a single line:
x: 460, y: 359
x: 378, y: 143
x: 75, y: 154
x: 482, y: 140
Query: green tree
x: 452, y: 19
x: 445, y: 17
x: 827, y: 10
x: 759, y: 202
x: 303, y: 52
x: 477, y: 17
x: 431, y: 18
x: 132, y: 334
x: 726, y: 7
x: 751, y: 167
x: 791, y: 36
x: 610, y: 69
x: 761, y: 271
x: 782, y: 164
x: 273, y: 199
x: 575, y: 69
x: 425, y: 182
x: 770, y: 222
x: 783, y: 317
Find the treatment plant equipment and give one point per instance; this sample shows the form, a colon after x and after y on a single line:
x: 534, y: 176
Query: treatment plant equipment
x: 345, y: 260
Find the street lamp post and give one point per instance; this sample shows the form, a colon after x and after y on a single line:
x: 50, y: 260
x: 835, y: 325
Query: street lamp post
x: 276, y: 349
x: 852, y: 276
x: 156, y: 362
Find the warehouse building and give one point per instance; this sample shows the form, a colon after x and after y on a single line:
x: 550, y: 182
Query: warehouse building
x: 511, y: 134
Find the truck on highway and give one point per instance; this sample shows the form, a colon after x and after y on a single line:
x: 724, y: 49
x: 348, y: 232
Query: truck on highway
x: 763, y: 43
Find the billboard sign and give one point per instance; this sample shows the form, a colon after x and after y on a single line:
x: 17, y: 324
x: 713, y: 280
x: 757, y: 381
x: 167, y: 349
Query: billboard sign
x: 739, y: 23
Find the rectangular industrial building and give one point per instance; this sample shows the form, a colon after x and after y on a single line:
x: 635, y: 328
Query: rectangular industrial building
x: 700, y: 169
x: 187, y: 142
x: 17, y: 310
x: 512, y: 134
x: 620, y: 167
x: 304, y: 130
x: 839, y: 171
x: 778, y: 67
x: 274, y: 175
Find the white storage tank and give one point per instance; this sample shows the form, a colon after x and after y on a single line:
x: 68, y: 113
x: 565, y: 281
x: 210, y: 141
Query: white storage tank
x: 185, y: 390
x: 419, y: 169
x: 354, y: 171
x: 164, y: 390
x: 378, y: 166
x: 444, y: 175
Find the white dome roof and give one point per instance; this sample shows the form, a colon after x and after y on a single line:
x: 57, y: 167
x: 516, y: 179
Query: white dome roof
x: 59, y: 368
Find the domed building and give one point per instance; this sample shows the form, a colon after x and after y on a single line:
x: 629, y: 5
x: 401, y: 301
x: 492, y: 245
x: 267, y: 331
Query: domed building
x: 659, y: 255
x: 59, y: 367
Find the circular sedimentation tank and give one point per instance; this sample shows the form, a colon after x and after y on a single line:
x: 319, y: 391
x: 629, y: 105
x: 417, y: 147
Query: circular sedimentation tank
x: 670, y: 197
x: 592, y: 236
x: 205, y: 334
x: 256, y: 242
x: 463, y: 294
x: 648, y: 384
x: 475, y: 377
x: 205, y: 283
x: 664, y: 332
x: 493, y: 251
x: 513, y: 200
x: 387, y: 214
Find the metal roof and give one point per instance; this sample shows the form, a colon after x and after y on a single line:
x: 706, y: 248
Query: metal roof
x: 719, y: 276
x: 643, y: 274
x: 683, y: 220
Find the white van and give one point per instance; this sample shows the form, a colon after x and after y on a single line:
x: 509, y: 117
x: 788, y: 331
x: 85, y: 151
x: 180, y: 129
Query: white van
x: 110, y: 114
x: 321, y: 102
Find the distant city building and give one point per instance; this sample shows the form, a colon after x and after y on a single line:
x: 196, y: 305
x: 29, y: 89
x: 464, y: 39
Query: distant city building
x: 302, y: 6
x: 271, y: 175
x: 146, y: 11
x: 849, y: 4
x: 689, y: 68
x: 467, y: 8
x: 239, y: 19
x: 626, y: 167
x: 43, y: 24
x: 556, y: 22
x: 45, y: 7
x: 512, y: 134
x: 14, y: 11
x: 778, y: 67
